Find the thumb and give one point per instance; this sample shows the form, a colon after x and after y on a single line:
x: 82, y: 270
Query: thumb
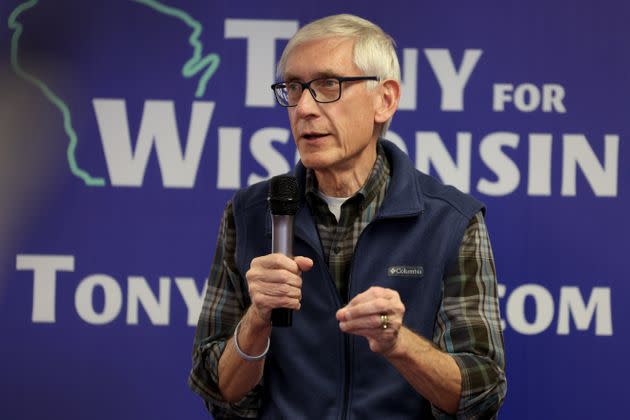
x: 304, y: 263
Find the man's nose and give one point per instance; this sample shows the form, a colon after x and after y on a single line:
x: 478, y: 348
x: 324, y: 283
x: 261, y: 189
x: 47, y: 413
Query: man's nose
x: 307, y: 104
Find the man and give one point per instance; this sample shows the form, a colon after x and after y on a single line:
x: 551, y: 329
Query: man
x: 393, y: 286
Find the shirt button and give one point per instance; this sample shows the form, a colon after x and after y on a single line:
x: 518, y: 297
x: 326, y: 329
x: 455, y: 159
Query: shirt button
x: 337, y: 250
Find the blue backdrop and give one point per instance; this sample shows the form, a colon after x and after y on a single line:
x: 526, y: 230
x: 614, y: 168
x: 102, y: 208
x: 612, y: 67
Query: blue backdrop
x: 126, y: 125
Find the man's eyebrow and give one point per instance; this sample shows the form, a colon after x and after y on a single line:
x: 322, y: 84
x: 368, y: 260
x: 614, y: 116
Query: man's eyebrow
x: 326, y: 73
x: 288, y: 77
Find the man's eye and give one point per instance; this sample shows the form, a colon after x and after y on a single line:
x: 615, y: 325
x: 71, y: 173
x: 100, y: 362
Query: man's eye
x: 326, y: 84
x: 293, y: 87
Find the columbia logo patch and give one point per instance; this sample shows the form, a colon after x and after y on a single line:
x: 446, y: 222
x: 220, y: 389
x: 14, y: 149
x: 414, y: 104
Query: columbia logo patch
x: 405, y: 271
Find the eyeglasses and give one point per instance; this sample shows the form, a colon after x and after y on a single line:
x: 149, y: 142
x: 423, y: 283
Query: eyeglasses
x: 323, y: 90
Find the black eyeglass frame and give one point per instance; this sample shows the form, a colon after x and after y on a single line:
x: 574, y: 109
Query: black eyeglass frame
x: 307, y: 85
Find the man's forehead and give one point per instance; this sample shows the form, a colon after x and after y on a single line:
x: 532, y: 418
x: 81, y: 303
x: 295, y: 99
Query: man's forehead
x: 321, y: 57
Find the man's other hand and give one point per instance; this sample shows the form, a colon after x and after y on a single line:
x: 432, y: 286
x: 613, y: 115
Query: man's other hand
x: 376, y: 314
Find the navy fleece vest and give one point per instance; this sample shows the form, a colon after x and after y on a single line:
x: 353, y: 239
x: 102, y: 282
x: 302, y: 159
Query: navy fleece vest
x: 312, y: 369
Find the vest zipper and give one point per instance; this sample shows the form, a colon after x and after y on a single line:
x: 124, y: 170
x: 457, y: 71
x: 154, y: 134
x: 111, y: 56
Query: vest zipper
x: 347, y: 355
x: 346, y: 389
x: 346, y: 337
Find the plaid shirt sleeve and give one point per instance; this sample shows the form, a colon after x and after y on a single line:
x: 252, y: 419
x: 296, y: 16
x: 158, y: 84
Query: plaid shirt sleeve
x: 468, y: 326
x: 224, y: 304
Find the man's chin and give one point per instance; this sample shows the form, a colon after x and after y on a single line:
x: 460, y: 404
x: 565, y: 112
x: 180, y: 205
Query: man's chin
x: 314, y: 162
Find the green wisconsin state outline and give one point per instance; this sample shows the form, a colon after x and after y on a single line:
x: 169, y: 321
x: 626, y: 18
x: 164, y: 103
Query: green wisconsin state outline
x: 198, y: 63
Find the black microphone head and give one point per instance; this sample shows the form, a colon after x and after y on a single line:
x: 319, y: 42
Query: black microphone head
x: 283, y: 195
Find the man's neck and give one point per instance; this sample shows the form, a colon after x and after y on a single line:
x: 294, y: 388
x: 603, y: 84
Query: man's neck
x: 345, y: 182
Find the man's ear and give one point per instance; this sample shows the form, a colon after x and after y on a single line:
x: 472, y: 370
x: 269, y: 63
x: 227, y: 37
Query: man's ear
x: 387, y: 103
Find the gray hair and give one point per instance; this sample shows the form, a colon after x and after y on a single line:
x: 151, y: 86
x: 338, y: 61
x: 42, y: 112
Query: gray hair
x: 374, y: 50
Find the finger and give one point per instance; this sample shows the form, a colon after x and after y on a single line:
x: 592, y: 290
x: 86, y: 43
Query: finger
x: 373, y: 321
x: 266, y: 303
x: 275, y: 262
x: 259, y: 273
x: 373, y: 293
x: 277, y: 290
x: 366, y: 296
x: 371, y: 333
x: 303, y: 263
x: 274, y: 295
x: 372, y: 307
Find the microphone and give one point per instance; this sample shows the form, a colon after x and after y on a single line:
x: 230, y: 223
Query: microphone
x: 283, y: 201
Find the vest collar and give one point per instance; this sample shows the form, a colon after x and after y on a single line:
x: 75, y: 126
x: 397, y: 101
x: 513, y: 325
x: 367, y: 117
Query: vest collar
x: 403, y: 197
x: 403, y: 193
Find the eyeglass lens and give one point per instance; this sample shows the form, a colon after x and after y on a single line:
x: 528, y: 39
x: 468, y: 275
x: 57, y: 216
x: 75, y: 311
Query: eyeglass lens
x: 322, y: 90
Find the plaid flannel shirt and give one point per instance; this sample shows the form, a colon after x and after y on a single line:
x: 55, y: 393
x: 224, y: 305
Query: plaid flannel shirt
x: 467, y: 325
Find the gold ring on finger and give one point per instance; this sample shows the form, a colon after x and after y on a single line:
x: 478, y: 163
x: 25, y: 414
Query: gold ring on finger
x: 384, y: 321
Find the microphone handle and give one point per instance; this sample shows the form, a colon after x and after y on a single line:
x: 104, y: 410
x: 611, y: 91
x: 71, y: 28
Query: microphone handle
x: 282, y: 243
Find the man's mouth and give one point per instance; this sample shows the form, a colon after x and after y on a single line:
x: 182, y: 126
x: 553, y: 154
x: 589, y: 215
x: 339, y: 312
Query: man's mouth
x: 314, y: 136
